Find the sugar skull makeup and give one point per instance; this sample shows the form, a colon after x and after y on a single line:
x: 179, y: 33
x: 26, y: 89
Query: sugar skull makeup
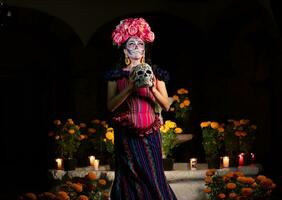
x: 135, y: 48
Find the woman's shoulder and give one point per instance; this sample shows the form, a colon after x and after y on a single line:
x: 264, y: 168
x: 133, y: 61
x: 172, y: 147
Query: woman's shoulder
x: 161, y: 73
x: 115, y: 74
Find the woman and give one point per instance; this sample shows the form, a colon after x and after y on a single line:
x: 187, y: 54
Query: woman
x: 139, y: 169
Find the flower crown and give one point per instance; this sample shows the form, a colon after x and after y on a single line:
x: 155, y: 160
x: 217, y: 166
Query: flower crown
x: 132, y: 27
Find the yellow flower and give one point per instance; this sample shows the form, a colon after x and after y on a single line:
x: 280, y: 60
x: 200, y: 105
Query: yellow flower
x: 175, y: 97
x: 182, y: 91
x: 71, y: 131
x: 110, y: 129
x: 204, y: 124
x: 186, y: 102
x: 178, y: 130
x: 164, y: 129
x: 110, y: 135
x: 214, y: 125
x: 70, y: 121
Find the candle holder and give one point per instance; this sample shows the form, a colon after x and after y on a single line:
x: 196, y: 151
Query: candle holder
x: 91, y: 160
x: 59, y: 162
x: 96, y: 164
x: 193, y: 163
x: 225, y: 161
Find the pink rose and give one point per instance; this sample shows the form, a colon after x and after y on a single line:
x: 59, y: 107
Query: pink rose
x: 117, y: 38
x: 132, y: 30
x: 150, y: 37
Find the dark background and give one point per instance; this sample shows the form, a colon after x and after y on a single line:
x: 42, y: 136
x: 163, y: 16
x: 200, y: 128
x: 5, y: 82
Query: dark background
x: 53, y: 56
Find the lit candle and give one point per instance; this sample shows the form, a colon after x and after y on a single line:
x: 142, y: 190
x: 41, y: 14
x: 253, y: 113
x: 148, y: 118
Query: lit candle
x: 225, y: 161
x: 241, y: 159
x: 91, y: 160
x: 193, y: 163
x: 59, y: 162
x: 96, y: 164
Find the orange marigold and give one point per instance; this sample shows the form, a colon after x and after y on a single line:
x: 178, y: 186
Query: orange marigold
x: 77, y: 187
x: 232, y: 195
x: 231, y: 186
x: 247, y: 191
x: 83, y: 197
x: 221, y: 195
x: 207, y: 190
x: 102, y: 182
x: 91, y: 176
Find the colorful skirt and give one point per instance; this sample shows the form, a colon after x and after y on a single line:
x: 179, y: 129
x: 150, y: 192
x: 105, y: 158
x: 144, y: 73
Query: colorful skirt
x: 139, y: 170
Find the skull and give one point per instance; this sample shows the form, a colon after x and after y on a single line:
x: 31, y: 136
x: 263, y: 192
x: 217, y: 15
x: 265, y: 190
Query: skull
x: 143, y: 75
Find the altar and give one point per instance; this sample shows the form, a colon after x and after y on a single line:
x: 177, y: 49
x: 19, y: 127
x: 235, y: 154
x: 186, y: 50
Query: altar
x: 187, y: 184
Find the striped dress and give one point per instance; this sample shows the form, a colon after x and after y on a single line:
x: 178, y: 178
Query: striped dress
x: 139, y: 170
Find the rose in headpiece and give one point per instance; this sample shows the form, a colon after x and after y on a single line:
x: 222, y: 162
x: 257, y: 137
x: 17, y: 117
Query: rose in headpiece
x: 132, y: 27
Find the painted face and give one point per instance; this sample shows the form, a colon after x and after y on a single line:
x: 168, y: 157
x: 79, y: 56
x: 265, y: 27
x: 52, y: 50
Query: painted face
x: 135, y: 48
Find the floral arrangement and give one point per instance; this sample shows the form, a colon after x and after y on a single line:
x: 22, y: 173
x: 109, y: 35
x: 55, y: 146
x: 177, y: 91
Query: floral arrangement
x: 240, y: 135
x: 89, y: 187
x: 213, y: 136
x: 181, y: 104
x: 132, y: 27
x: 67, y: 137
x: 109, y: 140
x: 169, y: 131
x: 235, y: 185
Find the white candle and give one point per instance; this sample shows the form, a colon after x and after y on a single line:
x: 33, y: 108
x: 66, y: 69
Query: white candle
x: 59, y: 162
x: 91, y: 160
x: 193, y: 163
x: 96, y: 164
x: 225, y: 161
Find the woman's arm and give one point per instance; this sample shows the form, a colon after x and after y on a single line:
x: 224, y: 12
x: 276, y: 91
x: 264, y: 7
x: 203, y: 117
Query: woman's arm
x: 115, y: 99
x: 160, y: 93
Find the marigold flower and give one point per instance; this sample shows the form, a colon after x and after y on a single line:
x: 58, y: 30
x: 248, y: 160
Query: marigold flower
x: 204, y: 124
x: 175, y: 97
x: 214, y: 125
x: 231, y: 186
x: 182, y: 105
x: 47, y: 195
x: 83, y: 197
x: 178, y: 130
x: 91, y: 176
x: 63, y: 195
x: 208, y: 190
x: 70, y: 121
x: 247, y: 191
x: 30, y: 196
x: 102, y: 181
x: 109, y: 135
x: 232, y: 195
x: 77, y: 187
x: 210, y: 172
x: 106, y: 195
x: 110, y: 129
x: 186, y: 102
x: 261, y: 177
x: 71, y: 131
x: 221, y: 195
x: 266, y: 183
x: 208, y: 179
x: 182, y: 91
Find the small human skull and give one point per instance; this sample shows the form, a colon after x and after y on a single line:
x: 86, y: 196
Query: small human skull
x: 143, y: 75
